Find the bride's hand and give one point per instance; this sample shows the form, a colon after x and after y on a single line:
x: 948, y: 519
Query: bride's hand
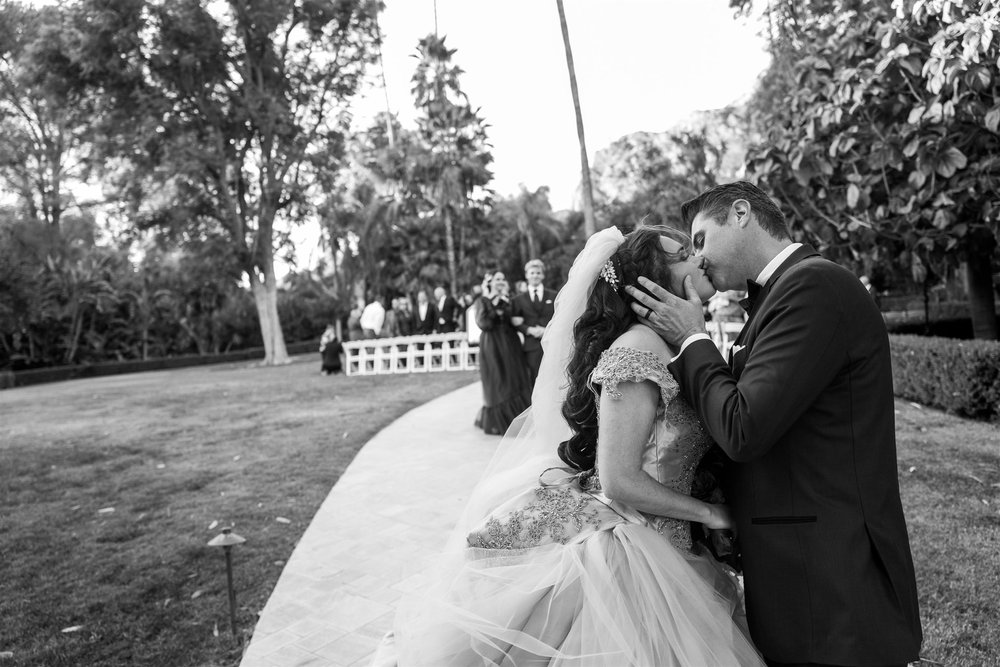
x: 720, y: 517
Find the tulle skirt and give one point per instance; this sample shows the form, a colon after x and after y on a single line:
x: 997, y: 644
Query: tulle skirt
x: 619, y: 595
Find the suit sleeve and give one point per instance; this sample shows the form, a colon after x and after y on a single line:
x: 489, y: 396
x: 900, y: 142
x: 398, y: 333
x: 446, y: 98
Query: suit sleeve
x: 797, y: 353
x: 517, y: 310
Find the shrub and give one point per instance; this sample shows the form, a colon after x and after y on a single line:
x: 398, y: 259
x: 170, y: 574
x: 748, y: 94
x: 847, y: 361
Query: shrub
x: 960, y: 376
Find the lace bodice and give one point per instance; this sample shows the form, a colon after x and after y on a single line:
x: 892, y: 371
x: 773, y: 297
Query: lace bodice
x: 568, y: 508
x: 677, y: 440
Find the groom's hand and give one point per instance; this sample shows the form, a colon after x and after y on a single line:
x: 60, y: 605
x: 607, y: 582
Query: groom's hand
x: 673, y: 318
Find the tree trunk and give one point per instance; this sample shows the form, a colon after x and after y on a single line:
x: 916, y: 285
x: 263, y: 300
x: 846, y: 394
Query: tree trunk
x: 979, y: 287
x: 75, y: 330
x: 589, y: 224
x: 927, y: 307
x: 265, y: 294
x: 449, y: 237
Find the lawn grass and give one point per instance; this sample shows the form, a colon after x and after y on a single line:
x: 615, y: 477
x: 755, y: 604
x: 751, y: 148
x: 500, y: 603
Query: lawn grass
x: 950, y: 483
x: 172, y: 452
x: 177, y: 455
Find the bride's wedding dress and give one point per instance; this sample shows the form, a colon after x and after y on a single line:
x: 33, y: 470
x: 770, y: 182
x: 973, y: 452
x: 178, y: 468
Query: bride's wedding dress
x: 557, y: 574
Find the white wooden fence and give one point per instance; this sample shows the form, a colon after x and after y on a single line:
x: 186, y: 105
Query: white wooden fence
x: 452, y: 352
x: 411, y: 354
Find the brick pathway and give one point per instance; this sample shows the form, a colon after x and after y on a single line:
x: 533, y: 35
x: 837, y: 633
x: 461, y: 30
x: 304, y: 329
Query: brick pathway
x: 382, y: 523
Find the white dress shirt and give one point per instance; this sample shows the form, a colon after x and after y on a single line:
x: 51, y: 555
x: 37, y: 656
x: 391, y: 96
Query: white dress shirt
x: 373, y: 316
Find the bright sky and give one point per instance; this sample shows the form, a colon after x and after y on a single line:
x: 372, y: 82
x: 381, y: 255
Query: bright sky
x: 640, y: 65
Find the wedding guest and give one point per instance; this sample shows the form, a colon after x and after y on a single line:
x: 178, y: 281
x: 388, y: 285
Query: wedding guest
x: 330, y: 349
x: 447, y: 311
x: 373, y: 317
x: 425, y: 316
x: 504, y: 374
x: 470, y: 316
x: 463, y: 302
x: 404, y: 316
x: 354, y: 331
x: 390, y: 325
x: 531, y: 312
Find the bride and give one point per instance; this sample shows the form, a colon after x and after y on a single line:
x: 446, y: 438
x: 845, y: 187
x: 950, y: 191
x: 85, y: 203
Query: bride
x: 575, y: 547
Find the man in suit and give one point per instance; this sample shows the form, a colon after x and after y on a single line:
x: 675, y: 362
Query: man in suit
x: 531, y: 311
x: 426, y: 315
x: 404, y: 316
x: 373, y: 317
x: 805, y: 409
x: 447, y: 311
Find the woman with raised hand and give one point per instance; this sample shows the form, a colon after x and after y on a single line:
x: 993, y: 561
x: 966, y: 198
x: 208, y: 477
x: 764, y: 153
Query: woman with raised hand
x: 502, y: 368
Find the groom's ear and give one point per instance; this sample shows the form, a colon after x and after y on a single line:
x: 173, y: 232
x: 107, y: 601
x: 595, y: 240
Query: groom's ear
x: 739, y: 212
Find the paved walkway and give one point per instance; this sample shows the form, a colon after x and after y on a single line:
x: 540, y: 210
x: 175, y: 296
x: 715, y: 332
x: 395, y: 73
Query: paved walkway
x: 372, y: 538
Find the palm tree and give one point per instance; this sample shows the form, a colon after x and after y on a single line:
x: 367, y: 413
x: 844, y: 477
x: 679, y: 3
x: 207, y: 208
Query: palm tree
x: 457, y: 162
x: 535, y: 221
x: 589, y: 224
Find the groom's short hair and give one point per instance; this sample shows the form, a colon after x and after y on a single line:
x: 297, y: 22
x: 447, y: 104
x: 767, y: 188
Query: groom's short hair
x: 715, y: 204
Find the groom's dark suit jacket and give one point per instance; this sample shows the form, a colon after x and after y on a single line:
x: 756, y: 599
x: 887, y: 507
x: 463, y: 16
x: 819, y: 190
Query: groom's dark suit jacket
x: 806, y: 408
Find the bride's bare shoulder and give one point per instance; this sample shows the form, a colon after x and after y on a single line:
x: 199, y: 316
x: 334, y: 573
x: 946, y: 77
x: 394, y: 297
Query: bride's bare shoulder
x: 641, y: 337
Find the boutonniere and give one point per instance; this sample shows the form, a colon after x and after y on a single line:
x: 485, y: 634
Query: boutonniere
x: 548, y: 301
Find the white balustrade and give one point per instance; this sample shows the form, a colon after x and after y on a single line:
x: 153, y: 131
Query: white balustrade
x: 451, y: 352
x: 410, y: 354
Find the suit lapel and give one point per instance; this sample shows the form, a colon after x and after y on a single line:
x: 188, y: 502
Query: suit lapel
x: 797, y: 256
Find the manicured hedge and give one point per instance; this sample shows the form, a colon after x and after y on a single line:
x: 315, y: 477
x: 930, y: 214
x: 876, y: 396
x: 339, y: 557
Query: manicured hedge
x: 960, y: 376
x: 58, y: 373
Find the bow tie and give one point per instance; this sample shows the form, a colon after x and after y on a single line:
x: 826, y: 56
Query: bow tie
x: 753, y: 291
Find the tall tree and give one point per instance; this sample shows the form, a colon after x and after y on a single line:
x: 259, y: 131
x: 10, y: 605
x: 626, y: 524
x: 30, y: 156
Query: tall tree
x: 881, y: 122
x: 454, y: 171
x: 226, y: 114
x: 590, y: 225
x: 42, y: 111
x: 646, y: 176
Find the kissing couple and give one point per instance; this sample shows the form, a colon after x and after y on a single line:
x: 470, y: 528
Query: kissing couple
x: 576, y: 546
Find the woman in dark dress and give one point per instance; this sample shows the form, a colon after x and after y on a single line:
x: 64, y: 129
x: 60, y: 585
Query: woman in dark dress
x: 502, y: 368
x: 331, y: 348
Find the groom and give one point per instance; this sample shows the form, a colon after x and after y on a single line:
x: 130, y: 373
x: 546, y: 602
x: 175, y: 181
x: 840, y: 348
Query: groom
x: 805, y: 408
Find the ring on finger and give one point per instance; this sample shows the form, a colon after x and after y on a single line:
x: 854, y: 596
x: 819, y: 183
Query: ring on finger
x: 649, y: 311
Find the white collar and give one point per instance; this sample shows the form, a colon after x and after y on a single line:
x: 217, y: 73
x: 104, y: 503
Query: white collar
x: 773, y: 265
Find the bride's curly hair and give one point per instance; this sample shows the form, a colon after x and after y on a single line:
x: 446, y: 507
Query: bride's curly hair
x: 607, y: 316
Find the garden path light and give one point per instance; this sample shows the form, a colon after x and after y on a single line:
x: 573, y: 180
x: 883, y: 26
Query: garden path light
x: 227, y: 540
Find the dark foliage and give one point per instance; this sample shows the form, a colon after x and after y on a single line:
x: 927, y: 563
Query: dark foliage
x: 960, y: 376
